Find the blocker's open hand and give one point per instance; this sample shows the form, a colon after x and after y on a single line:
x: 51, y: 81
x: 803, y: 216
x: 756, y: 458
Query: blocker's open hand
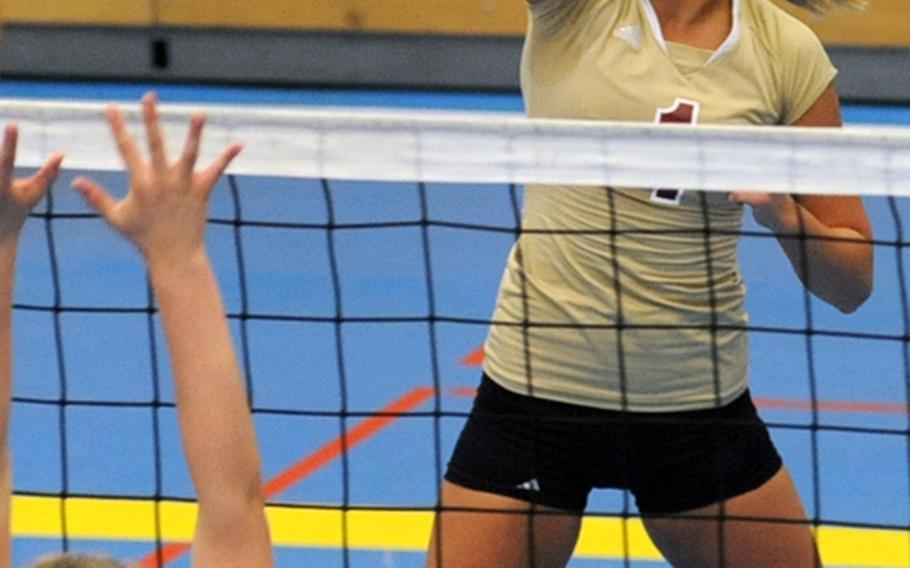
x: 165, y: 212
x: 19, y: 196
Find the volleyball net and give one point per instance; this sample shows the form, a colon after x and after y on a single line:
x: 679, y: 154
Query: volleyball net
x: 360, y: 255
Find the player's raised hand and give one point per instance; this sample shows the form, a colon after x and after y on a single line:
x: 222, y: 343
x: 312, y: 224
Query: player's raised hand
x: 19, y: 196
x: 165, y: 212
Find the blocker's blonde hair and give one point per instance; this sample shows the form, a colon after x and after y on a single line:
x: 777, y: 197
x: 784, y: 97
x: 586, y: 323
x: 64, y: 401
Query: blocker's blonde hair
x: 78, y: 561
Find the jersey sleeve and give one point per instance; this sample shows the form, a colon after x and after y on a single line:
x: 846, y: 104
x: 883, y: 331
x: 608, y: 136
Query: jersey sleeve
x: 806, y: 71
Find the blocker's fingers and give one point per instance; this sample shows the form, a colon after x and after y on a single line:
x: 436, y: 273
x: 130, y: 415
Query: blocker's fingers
x: 191, y: 148
x: 213, y: 172
x: 8, y: 154
x: 154, y: 132
x: 125, y: 142
x: 48, y: 172
x: 96, y: 196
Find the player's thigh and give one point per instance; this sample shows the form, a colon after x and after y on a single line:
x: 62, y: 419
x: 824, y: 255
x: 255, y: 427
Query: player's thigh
x: 475, y: 529
x: 768, y: 530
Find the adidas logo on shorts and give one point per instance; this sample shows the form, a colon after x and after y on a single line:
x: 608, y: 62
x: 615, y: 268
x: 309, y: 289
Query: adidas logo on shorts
x: 531, y: 485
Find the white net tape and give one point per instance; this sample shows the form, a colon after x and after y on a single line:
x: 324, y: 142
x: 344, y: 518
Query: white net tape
x: 462, y: 147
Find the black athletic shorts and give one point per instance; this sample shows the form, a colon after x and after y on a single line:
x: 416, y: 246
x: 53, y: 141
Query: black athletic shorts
x: 554, y: 454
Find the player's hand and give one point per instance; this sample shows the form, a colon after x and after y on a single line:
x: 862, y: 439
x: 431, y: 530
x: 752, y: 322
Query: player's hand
x: 776, y: 211
x: 165, y: 212
x: 19, y: 196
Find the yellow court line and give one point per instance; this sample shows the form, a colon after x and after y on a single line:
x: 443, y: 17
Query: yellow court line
x: 406, y: 531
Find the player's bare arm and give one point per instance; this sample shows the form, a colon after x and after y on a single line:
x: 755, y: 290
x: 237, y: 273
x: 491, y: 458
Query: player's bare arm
x: 164, y: 215
x: 821, y: 7
x: 835, y: 260
x: 549, y: 4
x: 17, y: 199
x: 554, y: 15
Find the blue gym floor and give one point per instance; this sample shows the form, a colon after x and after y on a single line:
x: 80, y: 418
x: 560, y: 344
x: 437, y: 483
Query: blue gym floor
x: 862, y: 383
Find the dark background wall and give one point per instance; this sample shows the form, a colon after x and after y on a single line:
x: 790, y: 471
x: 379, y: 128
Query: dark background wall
x: 450, y: 44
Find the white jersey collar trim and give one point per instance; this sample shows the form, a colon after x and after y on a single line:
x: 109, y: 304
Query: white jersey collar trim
x: 725, y: 47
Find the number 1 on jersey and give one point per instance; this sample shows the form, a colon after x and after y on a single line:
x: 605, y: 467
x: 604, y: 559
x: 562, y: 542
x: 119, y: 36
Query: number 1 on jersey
x: 683, y: 111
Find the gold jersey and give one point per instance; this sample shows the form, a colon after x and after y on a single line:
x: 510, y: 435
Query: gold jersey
x: 650, y: 319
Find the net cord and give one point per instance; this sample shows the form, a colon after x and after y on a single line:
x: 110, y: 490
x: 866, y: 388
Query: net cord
x: 489, y: 148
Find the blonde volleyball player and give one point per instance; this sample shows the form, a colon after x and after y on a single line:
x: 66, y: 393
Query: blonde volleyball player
x: 636, y: 377
x: 164, y: 216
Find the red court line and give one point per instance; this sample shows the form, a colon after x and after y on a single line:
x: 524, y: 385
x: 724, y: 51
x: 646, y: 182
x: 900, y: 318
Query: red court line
x: 356, y: 435
x: 309, y: 465
x: 475, y: 359
x: 463, y: 392
x: 833, y: 406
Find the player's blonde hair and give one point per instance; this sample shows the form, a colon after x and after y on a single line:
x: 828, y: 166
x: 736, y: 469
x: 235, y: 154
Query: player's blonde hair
x: 78, y: 561
x: 822, y: 7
